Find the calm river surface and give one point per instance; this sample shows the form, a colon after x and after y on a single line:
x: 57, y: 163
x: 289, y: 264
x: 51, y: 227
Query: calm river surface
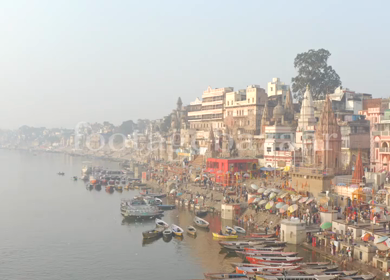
x: 53, y: 228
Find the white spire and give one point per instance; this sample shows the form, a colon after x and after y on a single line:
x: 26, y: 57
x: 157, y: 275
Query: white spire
x: 307, y: 111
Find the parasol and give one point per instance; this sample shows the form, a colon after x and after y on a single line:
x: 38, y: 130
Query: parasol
x: 283, y: 209
x: 383, y: 191
x: 295, y: 198
x: 197, y: 179
x: 326, y: 225
x: 267, y: 191
x: 280, y: 205
x: 293, y: 208
x: 376, y: 210
x: 367, y: 190
x: 262, y: 202
x: 260, y: 190
x: 341, y: 184
x: 354, y: 186
x: 228, y: 172
x: 382, y: 247
x: 309, y: 200
x: 272, y: 195
x: 246, y: 175
x: 381, y: 239
x: 366, y: 237
x: 276, y: 190
x: 283, y: 195
x: 254, y: 187
x: 303, y: 199
x: 237, y: 174
x: 269, y: 205
x: 324, y: 200
x: 372, y: 202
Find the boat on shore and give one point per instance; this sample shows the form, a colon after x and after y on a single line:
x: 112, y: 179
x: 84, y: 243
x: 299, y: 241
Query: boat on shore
x: 201, y: 223
x: 201, y: 213
x: 236, y: 276
x: 153, y: 233
x: 244, y: 254
x: 161, y: 223
x: 273, y: 259
x: 271, y: 269
x: 258, y: 247
x: 224, y: 236
x: 191, y: 230
x: 240, y: 243
x: 176, y: 230
x: 262, y: 235
x: 298, y: 277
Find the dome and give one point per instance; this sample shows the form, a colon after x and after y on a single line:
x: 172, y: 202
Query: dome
x: 278, y: 111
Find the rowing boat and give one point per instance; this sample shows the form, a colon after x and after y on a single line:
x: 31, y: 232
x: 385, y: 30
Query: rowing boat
x: 178, y: 231
x: 274, y: 259
x: 201, y: 223
x: 216, y: 235
x: 191, y: 230
x: 161, y: 223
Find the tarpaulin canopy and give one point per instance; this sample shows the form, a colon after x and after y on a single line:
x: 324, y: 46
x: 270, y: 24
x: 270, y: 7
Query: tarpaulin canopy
x: 267, y: 169
x: 382, y: 247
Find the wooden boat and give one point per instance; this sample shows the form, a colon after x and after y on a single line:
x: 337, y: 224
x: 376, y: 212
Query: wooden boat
x: 161, y: 223
x: 239, y: 243
x: 262, y: 235
x: 176, y: 230
x: 274, y: 259
x: 191, y: 230
x: 227, y: 236
x: 118, y: 188
x: 230, y: 230
x: 153, y: 233
x: 259, y: 247
x: 201, y: 223
x: 298, y: 277
x: 201, y: 213
x: 358, y: 277
x: 239, y: 230
x: 166, y: 207
x: 341, y: 273
x: 225, y: 276
x: 266, y: 254
x: 272, y: 269
x: 262, y: 265
x: 167, y: 233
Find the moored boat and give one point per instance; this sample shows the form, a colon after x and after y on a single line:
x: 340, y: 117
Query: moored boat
x: 225, y: 276
x: 161, y: 223
x: 176, y: 230
x: 272, y: 269
x: 298, y: 277
x: 153, y: 233
x: 201, y: 223
x: 258, y: 247
x: 266, y: 254
x: 227, y: 236
x: 274, y: 259
x: 167, y: 233
x: 262, y: 235
x: 166, y: 207
x: 239, y: 230
x: 239, y: 243
x: 230, y: 230
x: 191, y: 230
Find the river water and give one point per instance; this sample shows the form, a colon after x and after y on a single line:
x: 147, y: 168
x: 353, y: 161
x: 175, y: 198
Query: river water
x: 54, y: 228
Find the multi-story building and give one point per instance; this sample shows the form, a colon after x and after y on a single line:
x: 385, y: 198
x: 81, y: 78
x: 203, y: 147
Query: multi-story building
x: 373, y: 110
x: 381, y: 135
x: 207, y: 115
x: 211, y: 113
x: 244, y: 108
x: 355, y: 138
x: 276, y: 87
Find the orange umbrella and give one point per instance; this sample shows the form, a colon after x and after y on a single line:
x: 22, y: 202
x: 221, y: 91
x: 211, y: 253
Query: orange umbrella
x: 366, y: 237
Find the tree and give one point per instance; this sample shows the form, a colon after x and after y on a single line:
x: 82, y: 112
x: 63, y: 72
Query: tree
x: 314, y: 71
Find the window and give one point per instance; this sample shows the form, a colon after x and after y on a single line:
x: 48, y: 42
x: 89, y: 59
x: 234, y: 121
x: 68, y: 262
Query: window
x: 249, y: 100
x: 253, y: 100
x: 271, y: 88
x: 269, y: 149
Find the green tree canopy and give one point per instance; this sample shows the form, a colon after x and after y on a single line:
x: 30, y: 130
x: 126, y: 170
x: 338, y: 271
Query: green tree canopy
x: 313, y: 70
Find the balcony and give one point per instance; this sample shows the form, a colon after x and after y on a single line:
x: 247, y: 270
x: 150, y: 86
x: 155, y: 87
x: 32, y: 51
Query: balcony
x: 384, y: 150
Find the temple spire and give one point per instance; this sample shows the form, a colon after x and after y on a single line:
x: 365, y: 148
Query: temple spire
x: 358, y: 172
x: 289, y: 104
x: 264, y: 117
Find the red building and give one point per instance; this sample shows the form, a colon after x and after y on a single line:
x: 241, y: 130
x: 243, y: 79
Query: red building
x: 228, y: 171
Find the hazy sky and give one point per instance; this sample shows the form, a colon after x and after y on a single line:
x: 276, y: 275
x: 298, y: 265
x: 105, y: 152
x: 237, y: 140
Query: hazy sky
x: 62, y: 62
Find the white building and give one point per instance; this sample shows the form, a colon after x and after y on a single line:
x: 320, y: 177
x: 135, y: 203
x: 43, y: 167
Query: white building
x: 276, y: 87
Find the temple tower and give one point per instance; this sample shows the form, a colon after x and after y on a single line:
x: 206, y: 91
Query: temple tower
x: 328, y: 140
